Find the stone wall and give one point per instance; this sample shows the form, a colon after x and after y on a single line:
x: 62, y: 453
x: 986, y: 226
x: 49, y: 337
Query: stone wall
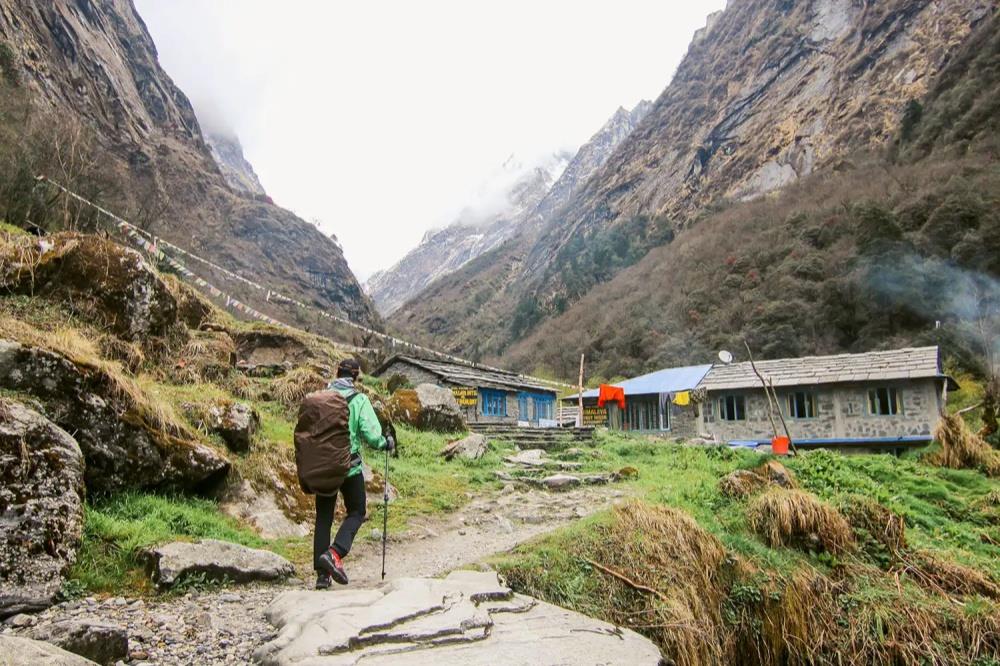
x: 842, y: 412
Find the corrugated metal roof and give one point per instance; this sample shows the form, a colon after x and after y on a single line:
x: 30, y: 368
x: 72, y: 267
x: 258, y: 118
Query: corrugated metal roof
x: 468, y: 375
x: 668, y: 380
x: 871, y: 366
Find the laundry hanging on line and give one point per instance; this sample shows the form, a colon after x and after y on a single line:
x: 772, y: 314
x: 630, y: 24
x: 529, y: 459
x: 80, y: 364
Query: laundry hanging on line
x: 607, y: 393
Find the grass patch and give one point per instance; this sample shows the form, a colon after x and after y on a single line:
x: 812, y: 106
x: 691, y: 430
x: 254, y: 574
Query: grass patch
x: 119, y: 529
x: 427, y: 483
x: 925, y: 597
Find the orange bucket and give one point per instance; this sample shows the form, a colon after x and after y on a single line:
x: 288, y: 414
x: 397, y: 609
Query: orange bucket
x: 779, y: 446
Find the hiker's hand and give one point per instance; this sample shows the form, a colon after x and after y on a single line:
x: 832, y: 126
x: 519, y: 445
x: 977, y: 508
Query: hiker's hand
x: 390, y: 445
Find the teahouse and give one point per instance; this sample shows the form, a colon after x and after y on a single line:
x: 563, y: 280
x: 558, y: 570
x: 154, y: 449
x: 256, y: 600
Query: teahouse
x: 652, y: 403
x: 485, y: 395
x: 885, y: 399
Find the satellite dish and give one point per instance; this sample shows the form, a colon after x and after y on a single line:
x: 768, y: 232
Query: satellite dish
x: 725, y: 357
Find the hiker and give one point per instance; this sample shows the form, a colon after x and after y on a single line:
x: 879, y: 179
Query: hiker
x: 321, y: 441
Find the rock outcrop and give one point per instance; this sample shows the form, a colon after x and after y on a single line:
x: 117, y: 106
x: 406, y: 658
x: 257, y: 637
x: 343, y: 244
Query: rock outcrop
x: 427, y: 407
x: 125, y: 441
x: 261, y: 509
x: 41, y: 508
x: 235, y: 422
x: 215, y: 560
x: 466, y: 618
x: 101, y: 281
x: 19, y: 651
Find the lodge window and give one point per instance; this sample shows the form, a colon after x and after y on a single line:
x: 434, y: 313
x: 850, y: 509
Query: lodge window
x: 644, y: 414
x: 883, y: 401
x: 544, y: 408
x: 494, y: 402
x: 801, y: 405
x: 733, y: 408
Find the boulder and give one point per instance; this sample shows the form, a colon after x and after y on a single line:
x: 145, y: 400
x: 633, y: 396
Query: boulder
x: 99, y: 642
x: 467, y: 618
x: 19, y: 651
x: 260, y: 508
x: 427, y: 407
x: 216, y: 560
x: 560, y: 482
x: 41, y: 508
x: 125, y: 440
x: 776, y: 473
x: 234, y: 422
x: 529, y: 458
x: 472, y: 447
x: 101, y: 281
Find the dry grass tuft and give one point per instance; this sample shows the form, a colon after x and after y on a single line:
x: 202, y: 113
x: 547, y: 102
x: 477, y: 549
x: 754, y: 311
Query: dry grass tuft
x: 292, y: 387
x: 207, y: 356
x: 885, y: 526
x: 128, y: 354
x: 961, y: 448
x: 662, y: 569
x: 947, y: 577
x: 741, y: 483
x: 745, y: 482
x: 797, y: 518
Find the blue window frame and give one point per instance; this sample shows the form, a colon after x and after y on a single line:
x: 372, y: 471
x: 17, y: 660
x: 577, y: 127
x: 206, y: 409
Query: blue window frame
x: 494, y: 402
x: 544, y: 407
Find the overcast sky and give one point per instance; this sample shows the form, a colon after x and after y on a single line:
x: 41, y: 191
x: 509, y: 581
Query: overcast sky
x: 384, y: 119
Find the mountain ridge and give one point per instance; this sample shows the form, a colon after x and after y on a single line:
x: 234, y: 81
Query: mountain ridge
x: 409, y: 280
x: 766, y: 95
x: 94, y: 63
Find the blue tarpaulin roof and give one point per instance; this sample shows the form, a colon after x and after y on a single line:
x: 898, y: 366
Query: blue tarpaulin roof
x: 669, y: 380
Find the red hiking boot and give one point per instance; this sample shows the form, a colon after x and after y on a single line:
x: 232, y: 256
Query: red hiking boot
x: 332, y: 564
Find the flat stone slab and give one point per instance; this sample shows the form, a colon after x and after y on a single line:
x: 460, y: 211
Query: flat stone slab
x: 18, y: 651
x: 216, y: 560
x: 467, y: 618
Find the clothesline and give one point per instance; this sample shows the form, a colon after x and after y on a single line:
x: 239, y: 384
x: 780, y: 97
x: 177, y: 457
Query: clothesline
x: 155, y: 246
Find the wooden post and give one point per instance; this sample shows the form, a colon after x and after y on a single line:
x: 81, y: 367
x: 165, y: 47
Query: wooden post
x: 782, y: 417
x: 579, y: 412
x: 767, y: 393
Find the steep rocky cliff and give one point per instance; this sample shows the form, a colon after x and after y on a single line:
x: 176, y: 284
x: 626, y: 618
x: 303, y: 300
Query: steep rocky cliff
x: 768, y: 93
x: 93, y: 62
x: 228, y: 153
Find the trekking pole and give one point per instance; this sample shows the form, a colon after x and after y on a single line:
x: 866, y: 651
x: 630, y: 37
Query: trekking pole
x: 385, y: 509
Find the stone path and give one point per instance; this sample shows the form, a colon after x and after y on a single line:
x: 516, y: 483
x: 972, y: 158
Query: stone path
x: 227, y: 626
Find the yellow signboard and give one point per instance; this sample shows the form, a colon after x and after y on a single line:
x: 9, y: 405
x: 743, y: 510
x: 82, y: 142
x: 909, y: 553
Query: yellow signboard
x: 466, y: 397
x: 595, y: 416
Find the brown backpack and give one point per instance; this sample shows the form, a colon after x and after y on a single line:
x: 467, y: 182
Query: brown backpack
x: 323, y: 442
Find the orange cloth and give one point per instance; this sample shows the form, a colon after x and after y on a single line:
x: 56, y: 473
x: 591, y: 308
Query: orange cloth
x: 611, y: 394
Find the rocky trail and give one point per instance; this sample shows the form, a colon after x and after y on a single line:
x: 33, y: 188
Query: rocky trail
x: 228, y: 625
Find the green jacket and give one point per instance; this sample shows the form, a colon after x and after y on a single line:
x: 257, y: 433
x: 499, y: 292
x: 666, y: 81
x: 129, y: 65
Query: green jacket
x: 362, y: 421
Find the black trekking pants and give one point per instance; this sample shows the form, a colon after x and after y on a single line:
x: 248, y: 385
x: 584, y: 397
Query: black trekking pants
x: 353, y: 492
